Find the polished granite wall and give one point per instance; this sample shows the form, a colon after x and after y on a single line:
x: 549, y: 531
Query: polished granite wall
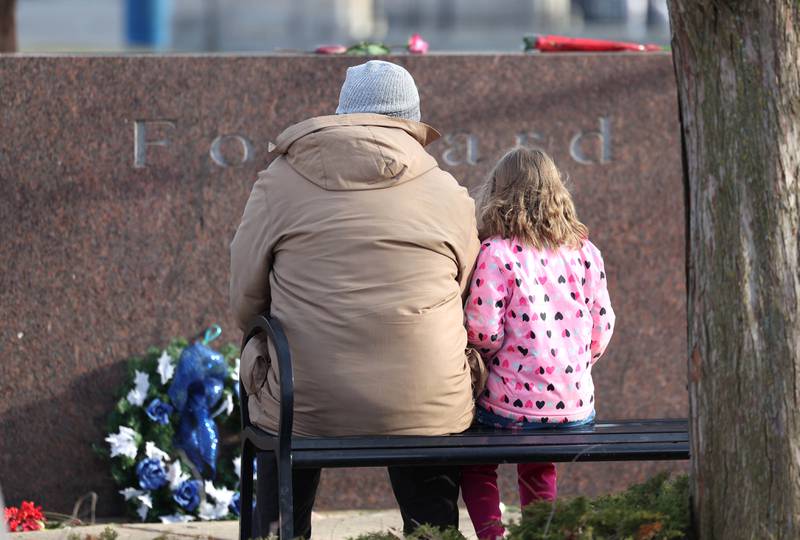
x: 123, y: 180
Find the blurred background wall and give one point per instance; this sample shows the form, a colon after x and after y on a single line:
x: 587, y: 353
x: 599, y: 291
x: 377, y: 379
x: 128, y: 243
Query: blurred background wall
x: 275, y: 25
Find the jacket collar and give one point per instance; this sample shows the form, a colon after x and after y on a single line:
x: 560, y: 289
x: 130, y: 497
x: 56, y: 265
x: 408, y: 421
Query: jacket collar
x: 422, y: 132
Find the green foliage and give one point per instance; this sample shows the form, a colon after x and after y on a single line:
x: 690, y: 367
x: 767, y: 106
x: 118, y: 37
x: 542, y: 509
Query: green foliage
x: 106, y: 534
x: 655, y: 510
x: 367, y: 48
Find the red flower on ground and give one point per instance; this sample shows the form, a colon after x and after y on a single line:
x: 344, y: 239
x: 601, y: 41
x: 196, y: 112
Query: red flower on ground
x: 12, y: 522
x: 417, y: 45
x: 28, y: 517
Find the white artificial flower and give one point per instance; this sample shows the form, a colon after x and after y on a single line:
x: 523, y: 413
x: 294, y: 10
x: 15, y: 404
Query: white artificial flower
x: 176, y: 518
x: 166, y: 369
x: 130, y: 493
x: 145, y: 503
x: 139, y: 392
x: 123, y: 443
x: 237, y: 466
x: 208, y: 511
x: 153, y: 451
x: 226, y: 406
x: 175, y: 475
x: 235, y: 372
x: 221, y: 495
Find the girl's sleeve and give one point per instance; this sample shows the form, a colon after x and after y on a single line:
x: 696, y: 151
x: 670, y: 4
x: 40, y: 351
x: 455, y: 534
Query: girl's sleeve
x: 486, y: 305
x: 603, y: 316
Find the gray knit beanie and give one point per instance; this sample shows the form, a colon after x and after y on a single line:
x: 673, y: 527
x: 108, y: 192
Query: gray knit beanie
x: 379, y: 87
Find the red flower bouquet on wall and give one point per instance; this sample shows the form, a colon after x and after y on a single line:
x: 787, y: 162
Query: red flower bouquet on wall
x: 569, y: 44
x: 27, y: 517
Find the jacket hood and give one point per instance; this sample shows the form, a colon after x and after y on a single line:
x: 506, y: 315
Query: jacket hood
x: 357, y: 151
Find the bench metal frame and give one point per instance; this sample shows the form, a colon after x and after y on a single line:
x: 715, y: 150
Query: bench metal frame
x: 626, y: 440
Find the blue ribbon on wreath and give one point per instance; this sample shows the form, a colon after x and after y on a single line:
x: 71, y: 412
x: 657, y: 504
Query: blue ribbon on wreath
x: 196, y: 388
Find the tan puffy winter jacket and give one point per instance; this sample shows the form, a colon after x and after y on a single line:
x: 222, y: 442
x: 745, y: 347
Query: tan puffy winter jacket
x: 361, y: 247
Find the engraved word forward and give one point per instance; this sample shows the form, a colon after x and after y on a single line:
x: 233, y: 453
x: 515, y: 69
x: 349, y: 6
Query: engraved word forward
x: 590, y: 147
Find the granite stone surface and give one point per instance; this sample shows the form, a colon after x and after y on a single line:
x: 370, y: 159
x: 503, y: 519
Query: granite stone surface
x: 123, y: 180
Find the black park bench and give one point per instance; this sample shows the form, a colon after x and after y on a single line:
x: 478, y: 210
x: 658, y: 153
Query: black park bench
x: 626, y: 440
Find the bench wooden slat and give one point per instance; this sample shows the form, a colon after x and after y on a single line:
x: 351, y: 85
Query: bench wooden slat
x: 604, y: 441
x: 523, y: 440
x: 604, y: 432
x: 490, y: 454
x: 477, y: 442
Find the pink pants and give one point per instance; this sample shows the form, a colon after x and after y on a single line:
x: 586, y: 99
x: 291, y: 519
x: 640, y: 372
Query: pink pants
x: 537, y: 481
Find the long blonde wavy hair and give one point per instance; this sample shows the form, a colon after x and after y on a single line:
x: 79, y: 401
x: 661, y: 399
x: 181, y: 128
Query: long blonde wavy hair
x: 526, y: 199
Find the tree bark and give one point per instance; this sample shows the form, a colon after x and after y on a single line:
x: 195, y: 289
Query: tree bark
x: 737, y: 64
x: 8, y: 26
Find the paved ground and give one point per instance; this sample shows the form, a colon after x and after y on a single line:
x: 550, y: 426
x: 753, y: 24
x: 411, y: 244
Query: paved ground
x: 326, y: 526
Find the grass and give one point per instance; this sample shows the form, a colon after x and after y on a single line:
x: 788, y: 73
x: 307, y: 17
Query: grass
x: 423, y: 533
x: 107, y: 534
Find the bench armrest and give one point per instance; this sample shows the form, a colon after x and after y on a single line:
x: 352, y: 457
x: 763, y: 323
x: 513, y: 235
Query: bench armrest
x: 274, y: 331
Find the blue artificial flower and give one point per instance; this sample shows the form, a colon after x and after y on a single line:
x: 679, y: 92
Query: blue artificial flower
x: 234, y: 505
x: 188, y: 495
x: 158, y: 411
x: 151, y: 473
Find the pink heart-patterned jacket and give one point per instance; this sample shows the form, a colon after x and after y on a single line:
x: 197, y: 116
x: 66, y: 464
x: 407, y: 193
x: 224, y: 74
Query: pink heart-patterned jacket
x: 541, y: 319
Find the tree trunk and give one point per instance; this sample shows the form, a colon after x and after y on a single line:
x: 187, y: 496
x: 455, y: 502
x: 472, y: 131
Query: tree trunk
x: 8, y: 26
x: 737, y: 64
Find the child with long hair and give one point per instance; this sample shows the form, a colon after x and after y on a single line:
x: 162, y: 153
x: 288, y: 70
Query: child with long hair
x: 540, y: 315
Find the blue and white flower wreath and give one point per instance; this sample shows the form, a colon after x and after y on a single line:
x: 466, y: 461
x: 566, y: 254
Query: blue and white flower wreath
x: 173, y: 435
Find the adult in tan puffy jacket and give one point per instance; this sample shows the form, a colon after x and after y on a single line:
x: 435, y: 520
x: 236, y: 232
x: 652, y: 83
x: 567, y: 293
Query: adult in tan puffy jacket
x: 361, y: 246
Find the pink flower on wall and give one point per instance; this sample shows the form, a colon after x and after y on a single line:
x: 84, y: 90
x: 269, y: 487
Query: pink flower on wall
x: 417, y: 45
